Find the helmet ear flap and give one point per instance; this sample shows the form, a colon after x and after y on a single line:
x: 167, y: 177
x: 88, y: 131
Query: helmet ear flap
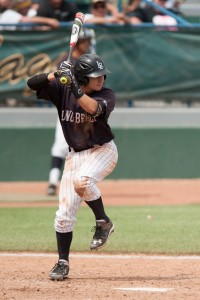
x: 82, y: 81
x: 85, y: 80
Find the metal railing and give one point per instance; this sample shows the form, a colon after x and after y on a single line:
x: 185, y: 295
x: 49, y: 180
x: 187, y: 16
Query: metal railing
x: 141, y: 25
x: 180, y: 20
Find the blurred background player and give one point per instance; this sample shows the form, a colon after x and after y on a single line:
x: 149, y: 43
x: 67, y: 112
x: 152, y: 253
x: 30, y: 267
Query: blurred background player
x: 59, y: 150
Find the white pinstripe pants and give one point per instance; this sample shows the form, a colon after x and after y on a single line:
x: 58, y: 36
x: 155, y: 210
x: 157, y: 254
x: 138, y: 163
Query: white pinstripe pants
x: 60, y: 147
x: 81, y: 173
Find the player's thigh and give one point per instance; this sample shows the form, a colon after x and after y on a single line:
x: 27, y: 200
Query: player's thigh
x: 100, y: 162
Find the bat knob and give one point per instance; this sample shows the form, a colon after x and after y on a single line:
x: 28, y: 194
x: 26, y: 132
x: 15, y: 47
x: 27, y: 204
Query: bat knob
x: 63, y: 80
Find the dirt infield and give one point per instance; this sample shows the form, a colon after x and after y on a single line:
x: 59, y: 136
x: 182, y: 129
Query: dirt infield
x: 92, y: 277
x: 25, y: 278
x: 115, y: 192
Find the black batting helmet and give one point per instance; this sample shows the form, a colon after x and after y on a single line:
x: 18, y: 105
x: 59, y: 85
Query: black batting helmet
x: 89, y: 65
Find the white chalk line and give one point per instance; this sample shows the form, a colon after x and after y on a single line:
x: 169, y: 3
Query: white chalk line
x: 105, y: 256
x: 145, y: 289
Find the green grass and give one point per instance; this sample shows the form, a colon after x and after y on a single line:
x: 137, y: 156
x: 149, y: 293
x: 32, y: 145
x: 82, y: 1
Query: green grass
x: 172, y: 229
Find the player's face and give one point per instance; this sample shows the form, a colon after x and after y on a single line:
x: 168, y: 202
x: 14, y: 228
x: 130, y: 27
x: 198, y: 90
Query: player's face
x: 95, y: 84
x: 84, y: 46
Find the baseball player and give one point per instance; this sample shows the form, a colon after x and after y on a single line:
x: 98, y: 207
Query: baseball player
x: 83, y: 109
x: 86, y: 43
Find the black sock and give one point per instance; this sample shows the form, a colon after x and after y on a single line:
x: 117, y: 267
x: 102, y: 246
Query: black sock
x: 98, y: 209
x: 56, y: 162
x: 63, y: 243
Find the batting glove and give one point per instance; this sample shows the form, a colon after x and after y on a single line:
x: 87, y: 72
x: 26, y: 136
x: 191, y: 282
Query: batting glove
x: 64, y: 73
x: 66, y: 65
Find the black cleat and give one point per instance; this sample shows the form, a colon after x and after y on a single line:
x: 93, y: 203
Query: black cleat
x: 60, y: 270
x: 102, y: 231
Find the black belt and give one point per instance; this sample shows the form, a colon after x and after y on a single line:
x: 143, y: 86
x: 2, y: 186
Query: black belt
x: 79, y: 150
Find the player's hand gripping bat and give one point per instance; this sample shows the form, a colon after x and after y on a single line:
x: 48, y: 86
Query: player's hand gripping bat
x: 76, y: 28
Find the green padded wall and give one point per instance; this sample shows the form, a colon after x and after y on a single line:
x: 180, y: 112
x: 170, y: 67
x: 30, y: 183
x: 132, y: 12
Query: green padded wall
x: 143, y: 153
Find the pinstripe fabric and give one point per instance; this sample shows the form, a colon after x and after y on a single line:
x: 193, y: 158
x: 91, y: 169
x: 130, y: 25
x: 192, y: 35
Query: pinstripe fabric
x: 81, y: 173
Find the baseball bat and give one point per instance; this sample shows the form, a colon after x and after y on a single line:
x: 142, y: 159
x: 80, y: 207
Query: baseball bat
x: 76, y: 28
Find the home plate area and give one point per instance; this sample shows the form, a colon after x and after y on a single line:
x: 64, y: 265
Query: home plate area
x: 144, y: 289
x: 24, y: 276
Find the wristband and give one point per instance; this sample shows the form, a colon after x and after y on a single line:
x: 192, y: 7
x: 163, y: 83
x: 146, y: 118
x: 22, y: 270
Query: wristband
x: 75, y: 89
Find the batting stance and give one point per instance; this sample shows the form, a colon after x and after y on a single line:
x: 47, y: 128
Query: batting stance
x: 83, y: 107
x: 59, y: 150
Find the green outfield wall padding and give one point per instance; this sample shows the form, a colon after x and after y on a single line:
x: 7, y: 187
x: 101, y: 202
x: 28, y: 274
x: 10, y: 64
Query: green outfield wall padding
x: 143, y: 153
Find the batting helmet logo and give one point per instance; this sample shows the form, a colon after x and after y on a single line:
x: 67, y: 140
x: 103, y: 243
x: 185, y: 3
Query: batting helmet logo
x: 100, y: 65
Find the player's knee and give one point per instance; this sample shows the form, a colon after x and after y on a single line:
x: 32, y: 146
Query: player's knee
x: 80, y: 185
x: 64, y: 225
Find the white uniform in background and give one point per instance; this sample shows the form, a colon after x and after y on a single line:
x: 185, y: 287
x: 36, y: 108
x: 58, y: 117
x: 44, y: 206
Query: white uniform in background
x: 59, y: 149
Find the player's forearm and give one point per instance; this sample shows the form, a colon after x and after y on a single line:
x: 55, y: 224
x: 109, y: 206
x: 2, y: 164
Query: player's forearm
x: 88, y: 104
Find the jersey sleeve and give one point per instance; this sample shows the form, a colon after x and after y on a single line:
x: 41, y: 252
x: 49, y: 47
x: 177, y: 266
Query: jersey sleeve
x: 50, y: 92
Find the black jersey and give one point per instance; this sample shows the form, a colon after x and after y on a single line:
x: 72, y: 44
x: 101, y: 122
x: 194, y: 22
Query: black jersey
x: 81, y: 130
